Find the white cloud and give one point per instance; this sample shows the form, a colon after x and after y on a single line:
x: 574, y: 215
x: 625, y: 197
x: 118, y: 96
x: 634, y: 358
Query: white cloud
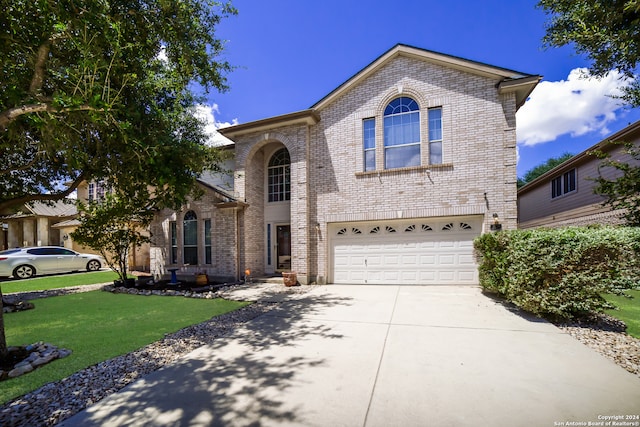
x: 162, y: 55
x: 575, y: 106
x: 207, y: 114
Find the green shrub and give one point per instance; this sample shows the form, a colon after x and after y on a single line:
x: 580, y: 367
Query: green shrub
x: 561, y: 272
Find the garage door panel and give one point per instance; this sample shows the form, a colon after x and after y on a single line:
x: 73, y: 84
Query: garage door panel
x: 445, y: 260
x: 427, y: 260
x: 420, y: 251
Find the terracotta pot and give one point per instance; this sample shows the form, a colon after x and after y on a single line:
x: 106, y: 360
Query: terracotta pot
x: 290, y: 278
x: 202, y: 280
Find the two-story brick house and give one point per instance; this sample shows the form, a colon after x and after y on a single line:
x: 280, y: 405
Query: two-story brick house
x: 386, y: 180
x: 564, y: 196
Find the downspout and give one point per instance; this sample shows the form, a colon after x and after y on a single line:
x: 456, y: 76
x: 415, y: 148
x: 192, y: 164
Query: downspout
x: 237, y: 210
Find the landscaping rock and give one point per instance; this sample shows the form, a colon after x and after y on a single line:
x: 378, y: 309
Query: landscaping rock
x: 606, y: 335
x: 12, y: 307
x: 26, y: 359
x: 20, y: 370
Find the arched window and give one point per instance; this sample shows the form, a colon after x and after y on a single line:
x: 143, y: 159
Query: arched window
x: 190, y: 241
x: 402, y: 133
x: 279, y: 176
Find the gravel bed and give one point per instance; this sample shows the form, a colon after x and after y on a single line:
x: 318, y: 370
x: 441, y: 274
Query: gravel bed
x: 26, y: 296
x: 57, y: 401
x: 606, y: 335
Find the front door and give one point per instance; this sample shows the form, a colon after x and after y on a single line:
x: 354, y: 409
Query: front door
x: 283, y: 248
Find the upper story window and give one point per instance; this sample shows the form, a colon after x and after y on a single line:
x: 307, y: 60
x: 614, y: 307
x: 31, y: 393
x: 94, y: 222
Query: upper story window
x: 96, y: 191
x: 401, y: 133
x: 279, y: 176
x: 369, y: 143
x: 563, y: 184
x: 435, y: 136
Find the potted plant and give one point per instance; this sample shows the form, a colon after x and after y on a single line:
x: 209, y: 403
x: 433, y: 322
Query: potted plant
x: 114, y: 227
x: 290, y: 278
x: 202, y: 279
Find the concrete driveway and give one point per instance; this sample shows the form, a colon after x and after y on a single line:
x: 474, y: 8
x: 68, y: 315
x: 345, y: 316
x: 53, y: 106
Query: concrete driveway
x: 381, y: 356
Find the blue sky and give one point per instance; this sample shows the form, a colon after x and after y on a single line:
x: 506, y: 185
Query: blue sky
x: 291, y: 53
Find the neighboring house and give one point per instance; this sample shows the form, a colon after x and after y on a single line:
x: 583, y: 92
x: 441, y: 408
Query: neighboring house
x: 564, y: 195
x: 34, y: 224
x: 386, y: 180
x: 94, y: 191
x: 51, y: 224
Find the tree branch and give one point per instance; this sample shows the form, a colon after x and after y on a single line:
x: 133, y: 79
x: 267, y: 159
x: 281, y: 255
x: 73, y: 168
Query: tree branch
x: 23, y: 167
x: 12, y: 114
x: 39, y: 68
x: 17, y: 201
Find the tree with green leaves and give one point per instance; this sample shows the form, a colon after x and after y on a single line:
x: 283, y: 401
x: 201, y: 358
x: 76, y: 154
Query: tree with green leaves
x: 606, y: 31
x: 622, y: 193
x: 103, y: 90
x: 114, y: 227
x: 541, y: 169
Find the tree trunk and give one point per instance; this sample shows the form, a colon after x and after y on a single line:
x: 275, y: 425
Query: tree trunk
x: 3, y: 338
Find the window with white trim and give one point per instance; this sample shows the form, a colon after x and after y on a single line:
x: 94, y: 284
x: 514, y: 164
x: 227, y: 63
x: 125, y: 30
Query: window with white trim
x: 435, y: 136
x: 174, y: 242
x: 369, y: 143
x: 96, y: 191
x: 279, y: 176
x: 207, y: 241
x: 401, y: 133
x: 190, y: 238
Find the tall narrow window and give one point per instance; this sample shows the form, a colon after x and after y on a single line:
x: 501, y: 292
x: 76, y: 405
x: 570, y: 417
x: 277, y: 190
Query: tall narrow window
x: 435, y: 136
x: 570, y: 181
x: 207, y: 241
x: 174, y: 242
x: 279, y: 176
x: 369, y: 142
x: 190, y: 234
x: 401, y: 134
x: 92, y: 192
x: 268, y: 244
x: 556, y: 187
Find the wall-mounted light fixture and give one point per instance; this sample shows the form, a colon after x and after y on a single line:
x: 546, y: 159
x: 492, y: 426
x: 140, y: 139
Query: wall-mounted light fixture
x: 496, y: 226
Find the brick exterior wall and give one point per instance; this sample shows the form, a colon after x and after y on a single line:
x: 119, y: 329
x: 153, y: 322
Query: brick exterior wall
x: 477, y: 177
x: 224, y: 231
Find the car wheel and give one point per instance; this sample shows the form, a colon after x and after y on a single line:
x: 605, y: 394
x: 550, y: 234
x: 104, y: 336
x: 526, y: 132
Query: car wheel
x: 93, y: 265
x: 24, y: 272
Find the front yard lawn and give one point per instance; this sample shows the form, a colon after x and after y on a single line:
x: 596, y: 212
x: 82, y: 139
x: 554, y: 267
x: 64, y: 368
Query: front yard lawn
x: 58, y: 281
x: 98, y: 326
x: 628, y: 311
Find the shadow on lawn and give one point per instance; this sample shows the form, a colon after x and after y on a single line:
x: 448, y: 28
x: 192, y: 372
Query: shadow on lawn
x: 239, y: 380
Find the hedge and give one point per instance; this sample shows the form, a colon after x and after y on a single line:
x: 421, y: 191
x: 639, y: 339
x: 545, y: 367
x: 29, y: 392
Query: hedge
x: 560, y: 273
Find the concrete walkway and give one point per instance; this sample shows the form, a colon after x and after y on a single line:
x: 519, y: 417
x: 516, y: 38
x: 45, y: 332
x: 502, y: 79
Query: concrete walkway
x: 381, y: 356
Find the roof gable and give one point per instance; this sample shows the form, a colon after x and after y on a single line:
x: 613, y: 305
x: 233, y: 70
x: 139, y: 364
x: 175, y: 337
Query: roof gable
x: 509, y: 80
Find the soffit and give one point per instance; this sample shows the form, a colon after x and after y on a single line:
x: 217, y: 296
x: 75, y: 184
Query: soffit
x: 305, y: 117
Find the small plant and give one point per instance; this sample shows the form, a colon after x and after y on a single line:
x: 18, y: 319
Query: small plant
x: 113, y: 227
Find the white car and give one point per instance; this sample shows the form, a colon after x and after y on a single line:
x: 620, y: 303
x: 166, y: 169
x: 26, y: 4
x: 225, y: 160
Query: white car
x: 22, y: 263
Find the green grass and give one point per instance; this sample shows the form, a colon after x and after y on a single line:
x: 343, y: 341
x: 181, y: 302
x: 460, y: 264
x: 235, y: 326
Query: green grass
x: 98, y: 326
x: 628, y: 311
x: 58, y: 281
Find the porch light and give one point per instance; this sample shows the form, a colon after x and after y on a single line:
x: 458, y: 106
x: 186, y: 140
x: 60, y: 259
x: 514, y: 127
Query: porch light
x: 496, y: 226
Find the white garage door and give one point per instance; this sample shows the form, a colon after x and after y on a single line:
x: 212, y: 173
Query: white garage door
x: 414, y: 252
